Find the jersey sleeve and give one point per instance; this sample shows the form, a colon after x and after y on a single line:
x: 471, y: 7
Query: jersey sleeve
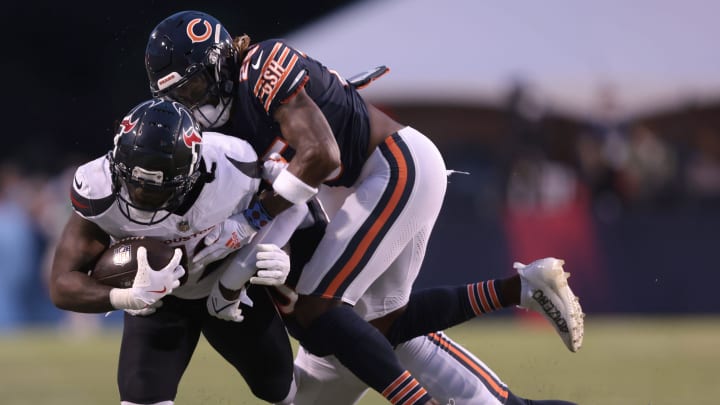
x: 275, y: 73
x: 91, y: 190
x: 238, y: 170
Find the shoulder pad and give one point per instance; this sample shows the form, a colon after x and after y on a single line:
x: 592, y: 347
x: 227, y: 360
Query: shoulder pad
x: 274, y: 72
x: 225, y: 149
x: 91, y: 189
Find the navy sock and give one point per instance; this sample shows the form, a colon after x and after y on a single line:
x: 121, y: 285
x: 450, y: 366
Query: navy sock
x: 364, y: 351
x: 435, y: 309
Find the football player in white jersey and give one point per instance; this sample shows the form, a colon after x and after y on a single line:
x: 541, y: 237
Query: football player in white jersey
x: 281, y: 100
x: 165, y: 179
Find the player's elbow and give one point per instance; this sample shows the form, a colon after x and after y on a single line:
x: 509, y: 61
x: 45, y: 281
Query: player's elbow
x: 58, y: 298
x: 59, y: 294
x: 324, y: 158
x: 328, y: 158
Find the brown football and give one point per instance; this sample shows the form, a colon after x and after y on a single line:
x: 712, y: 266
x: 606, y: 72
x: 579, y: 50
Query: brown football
x: 117, y: 266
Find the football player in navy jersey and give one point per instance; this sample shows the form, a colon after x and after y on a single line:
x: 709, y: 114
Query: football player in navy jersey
x: 166, y: 179
x: 284, y: 102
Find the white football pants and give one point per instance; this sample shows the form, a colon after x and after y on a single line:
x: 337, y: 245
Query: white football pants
x: 451, y: 374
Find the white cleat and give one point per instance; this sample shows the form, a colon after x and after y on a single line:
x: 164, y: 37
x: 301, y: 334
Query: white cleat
x: 544, y: 288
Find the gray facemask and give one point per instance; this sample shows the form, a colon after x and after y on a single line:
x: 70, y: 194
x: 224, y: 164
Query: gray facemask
x: 213, y: 116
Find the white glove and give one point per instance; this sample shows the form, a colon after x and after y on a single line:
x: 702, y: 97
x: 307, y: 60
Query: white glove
x: 149, y: 310
x: 149, y: 285
x: 273, y: 166
x: 224, y: 309
x: 273, y: 265
x: 225, y: 238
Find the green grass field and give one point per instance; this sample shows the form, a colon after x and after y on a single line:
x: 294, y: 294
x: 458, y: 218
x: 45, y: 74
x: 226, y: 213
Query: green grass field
x: 631, y: 360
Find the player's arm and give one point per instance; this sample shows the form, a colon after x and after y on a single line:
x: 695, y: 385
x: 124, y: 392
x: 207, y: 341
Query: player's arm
x: 81, y: 243
x: 305, y: 128
x: 317, y: 154
x: 261, y: 262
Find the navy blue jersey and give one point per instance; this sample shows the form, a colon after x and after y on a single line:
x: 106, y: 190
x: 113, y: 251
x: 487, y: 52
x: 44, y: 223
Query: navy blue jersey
x: 270, y: 75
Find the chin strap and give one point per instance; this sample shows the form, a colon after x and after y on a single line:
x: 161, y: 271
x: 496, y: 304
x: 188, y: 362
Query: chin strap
x: 209, y: 176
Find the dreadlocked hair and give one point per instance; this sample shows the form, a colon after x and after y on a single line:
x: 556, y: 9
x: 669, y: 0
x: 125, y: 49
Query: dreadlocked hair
x: 241, y: 43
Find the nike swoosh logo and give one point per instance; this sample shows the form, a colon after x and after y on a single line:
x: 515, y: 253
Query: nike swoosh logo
x: 78, y: 184
x: 159, y: 291
x: 256, y: 65
x: 216, y: 309
x: 250, y: 169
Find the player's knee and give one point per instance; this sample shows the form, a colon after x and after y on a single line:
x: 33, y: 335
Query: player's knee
x: 145, y: 387
x: 385, y: 323
x: 309, y: 326
x: 335, y: 327
x: 274, y: 390
x: 308, y: 308
x: 290, y: 397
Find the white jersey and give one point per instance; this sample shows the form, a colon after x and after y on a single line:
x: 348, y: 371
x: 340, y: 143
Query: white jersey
x: 236, y: 182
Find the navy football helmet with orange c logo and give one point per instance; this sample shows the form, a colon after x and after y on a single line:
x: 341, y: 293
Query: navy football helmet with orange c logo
x: 190, y: 58
x: 155, y: 160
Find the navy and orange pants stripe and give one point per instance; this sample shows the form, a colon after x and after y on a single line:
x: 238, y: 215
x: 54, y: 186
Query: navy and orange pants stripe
x: 493, y: 385
x: 366, y: 240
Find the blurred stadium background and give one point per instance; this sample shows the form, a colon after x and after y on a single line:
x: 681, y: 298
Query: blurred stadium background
x: 591, y: 132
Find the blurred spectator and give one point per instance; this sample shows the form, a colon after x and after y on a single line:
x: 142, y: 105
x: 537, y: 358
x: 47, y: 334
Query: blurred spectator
x: 51, y: 210
x: 602, y: 152
x: 548, y: 214
x: 17, y: 248
x: 702, y: 175
x: 598, y: 173
x: 536, y: 183
x: 649, y: 171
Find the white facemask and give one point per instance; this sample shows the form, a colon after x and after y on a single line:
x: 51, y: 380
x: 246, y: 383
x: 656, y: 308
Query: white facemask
x: 213, y: 116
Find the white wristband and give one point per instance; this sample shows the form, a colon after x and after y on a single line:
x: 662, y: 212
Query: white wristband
x: 291, y: 188
x: 120, y: 298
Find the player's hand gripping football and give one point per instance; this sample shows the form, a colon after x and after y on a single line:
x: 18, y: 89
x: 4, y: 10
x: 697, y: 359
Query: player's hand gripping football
x: 273, y: 265
x: 225, y: 238
x: 225, y: 309
x: 149, y: 285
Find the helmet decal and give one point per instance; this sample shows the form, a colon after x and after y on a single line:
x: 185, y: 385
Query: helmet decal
x: 169, y: 80
x: 191, y: 137
x: 126, y: 125
x: 191, y: 30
